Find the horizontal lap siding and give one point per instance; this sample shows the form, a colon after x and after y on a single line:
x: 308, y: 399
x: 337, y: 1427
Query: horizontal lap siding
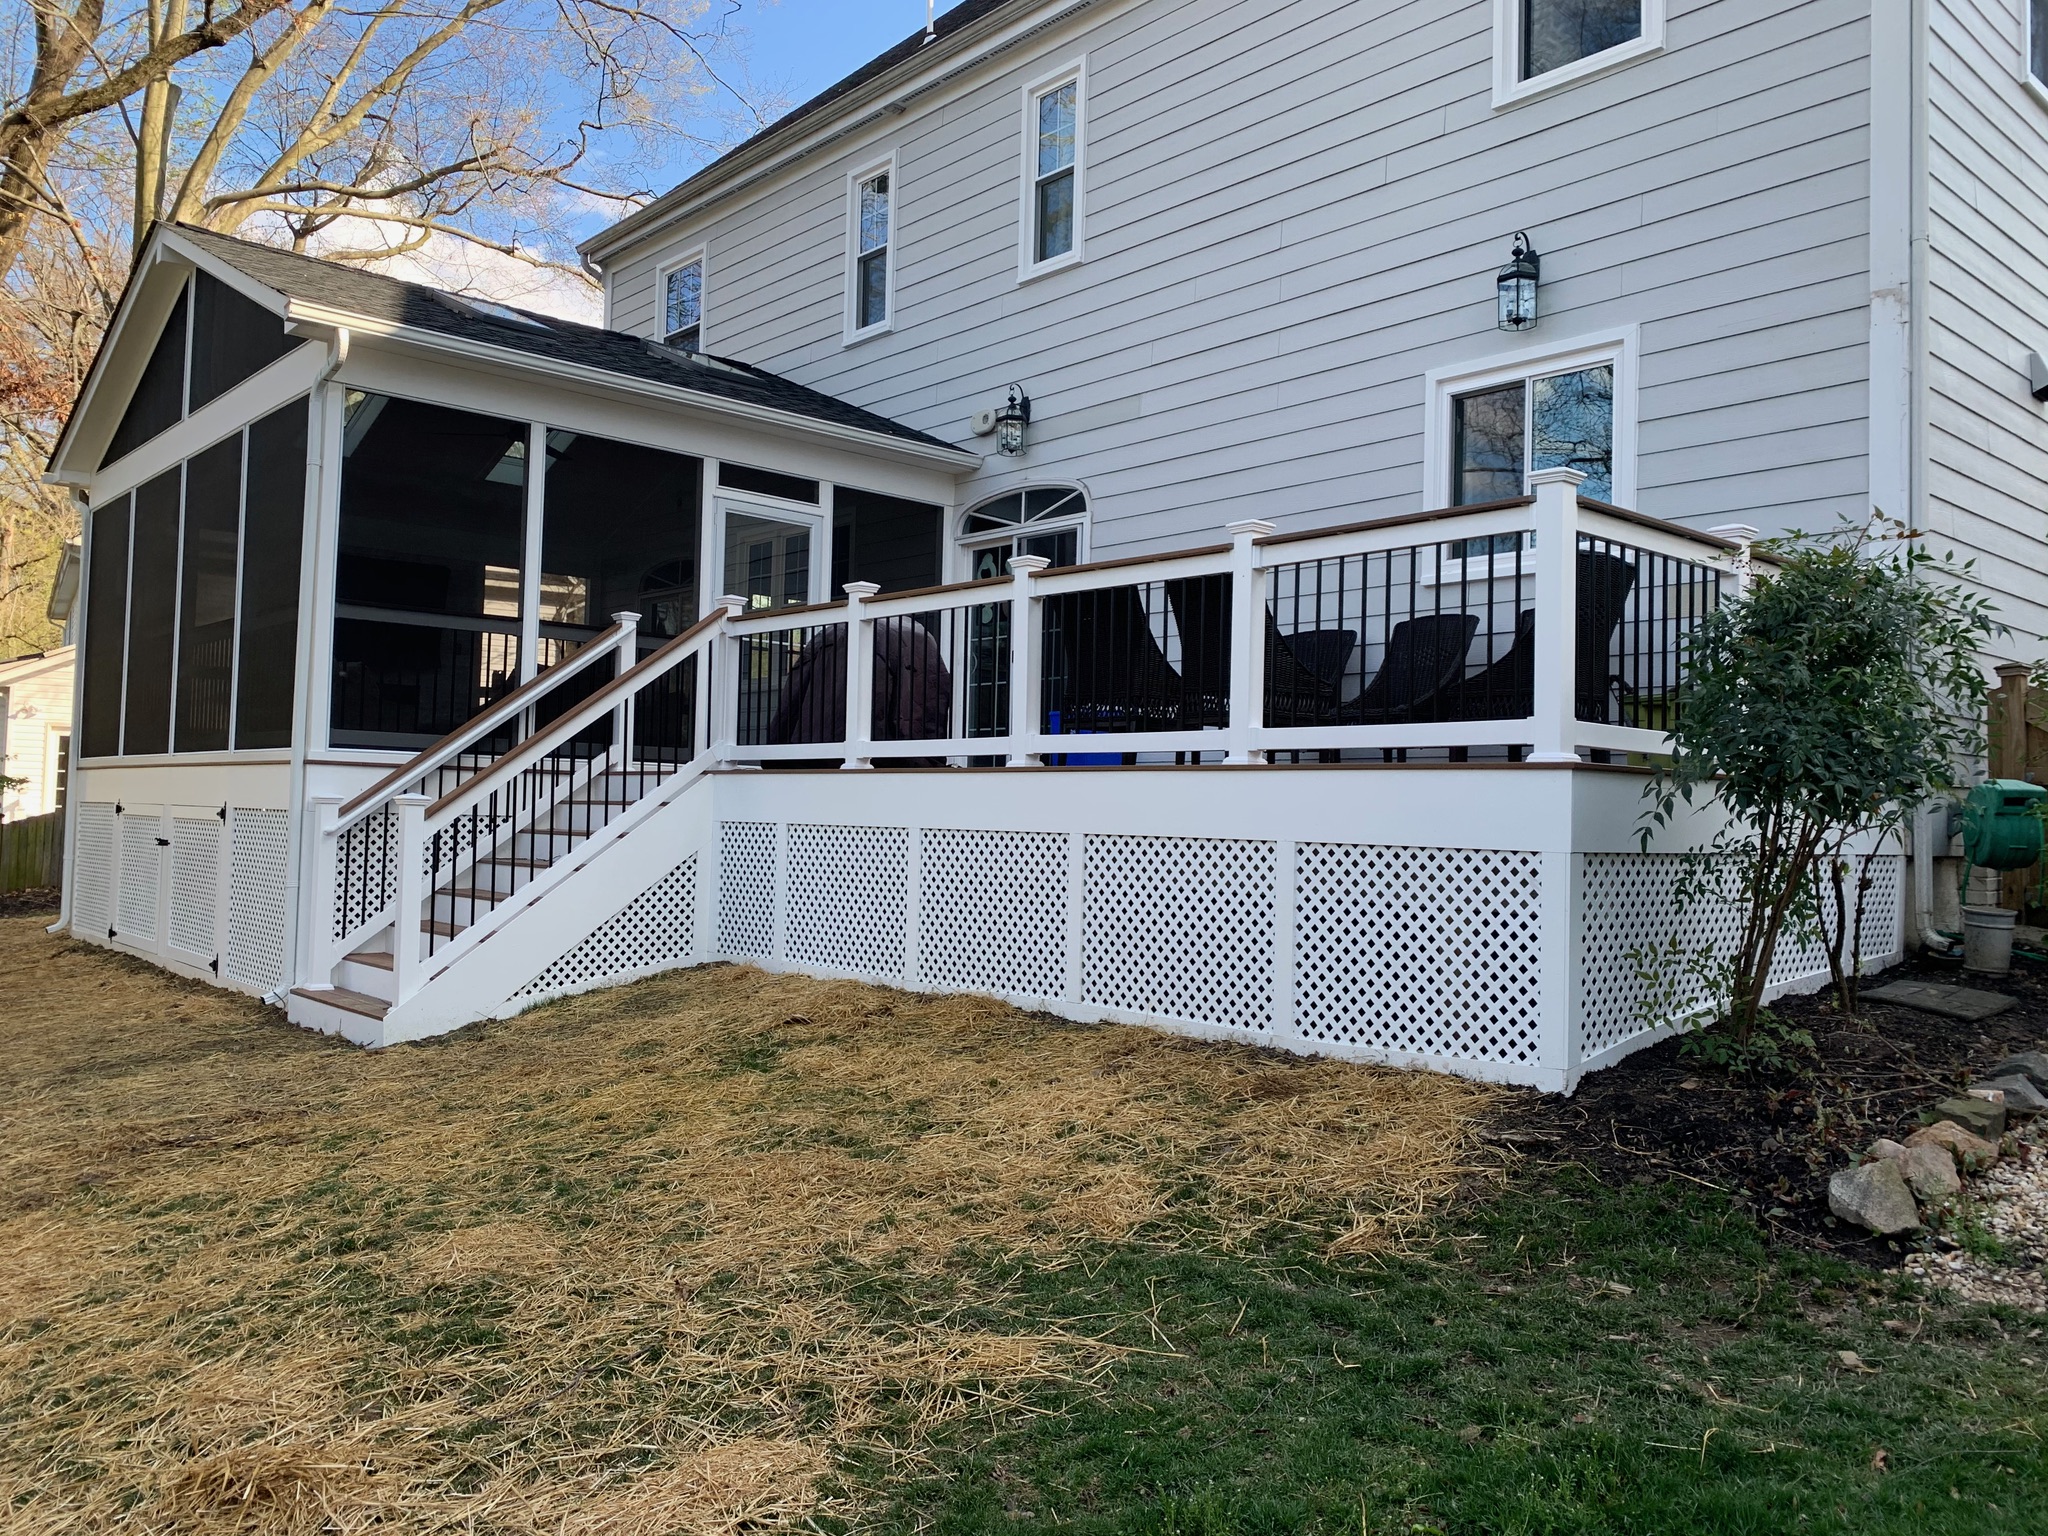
x: 1987, y: 308
x: 1295, y: 209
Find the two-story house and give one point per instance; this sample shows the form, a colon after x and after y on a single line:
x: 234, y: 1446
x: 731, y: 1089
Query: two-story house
x: 1339, y: 411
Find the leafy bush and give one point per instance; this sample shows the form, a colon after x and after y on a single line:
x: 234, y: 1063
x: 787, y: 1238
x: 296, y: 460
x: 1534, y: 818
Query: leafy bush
x: 1841, y: 692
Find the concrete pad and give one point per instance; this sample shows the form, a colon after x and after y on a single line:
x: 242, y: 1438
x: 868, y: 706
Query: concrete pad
x: 1966, y: 1003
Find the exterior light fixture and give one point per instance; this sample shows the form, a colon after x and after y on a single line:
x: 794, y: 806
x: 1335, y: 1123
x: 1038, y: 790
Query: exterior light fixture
x: 1011, y: 421
x: 1516, y: 286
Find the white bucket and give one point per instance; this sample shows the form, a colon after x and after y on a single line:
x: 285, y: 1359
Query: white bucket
x: 1987, y: 939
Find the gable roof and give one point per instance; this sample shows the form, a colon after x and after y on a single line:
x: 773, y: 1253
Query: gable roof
x: 955, y: 31
x: 417, y: 307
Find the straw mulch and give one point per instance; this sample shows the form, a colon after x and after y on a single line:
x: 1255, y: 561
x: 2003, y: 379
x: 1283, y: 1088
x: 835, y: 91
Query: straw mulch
x: 672, y: 1258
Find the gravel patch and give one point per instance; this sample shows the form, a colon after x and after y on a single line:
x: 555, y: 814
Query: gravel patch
x: 2009, y: 1202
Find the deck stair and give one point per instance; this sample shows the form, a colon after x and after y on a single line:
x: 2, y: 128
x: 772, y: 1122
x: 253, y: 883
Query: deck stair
x: 428, y: 863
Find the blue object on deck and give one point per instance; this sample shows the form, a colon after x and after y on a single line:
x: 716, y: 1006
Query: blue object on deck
x: 1080, y: 759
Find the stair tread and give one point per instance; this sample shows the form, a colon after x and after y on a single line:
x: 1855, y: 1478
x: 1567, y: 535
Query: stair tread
x: 376, y: 959
x: 346, y: 1000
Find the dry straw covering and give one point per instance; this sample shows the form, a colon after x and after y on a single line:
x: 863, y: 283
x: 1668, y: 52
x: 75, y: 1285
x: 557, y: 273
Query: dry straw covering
x: 705, y: 1254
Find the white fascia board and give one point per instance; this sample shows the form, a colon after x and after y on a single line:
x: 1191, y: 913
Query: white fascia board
x: 319, y: 319
x: 885, y: 97
x: 144, y: 293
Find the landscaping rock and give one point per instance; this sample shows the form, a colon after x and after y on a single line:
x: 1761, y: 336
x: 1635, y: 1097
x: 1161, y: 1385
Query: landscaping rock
x: 1970, y: 1151
x: 1967, y: 1003
x: 1884, y: 1149
x: 2022, y: 1098
x: 1874, y: 1196
x: 2032, y: 1065
x: 1980, y: 1117
x: 1930, y: 1172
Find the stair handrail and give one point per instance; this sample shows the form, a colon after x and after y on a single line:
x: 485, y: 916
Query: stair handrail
x: 650, y: 668
x: 443, y: 752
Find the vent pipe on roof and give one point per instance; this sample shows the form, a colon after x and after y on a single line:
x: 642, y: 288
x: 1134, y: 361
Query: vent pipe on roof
x: 931, y: 21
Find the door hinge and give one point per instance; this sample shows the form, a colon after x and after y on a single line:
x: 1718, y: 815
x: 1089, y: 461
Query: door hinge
x: 163, y: 842
x: 222, y: 813
x: 215, y: 965
x: 120, y: 809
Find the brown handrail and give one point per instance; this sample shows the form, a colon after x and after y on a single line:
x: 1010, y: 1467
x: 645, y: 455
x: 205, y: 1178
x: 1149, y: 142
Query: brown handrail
x: 625, y: 681
x: 944, y: 590
x: 1373, y: 524
x: 790, y: 612
x: 477, y: 725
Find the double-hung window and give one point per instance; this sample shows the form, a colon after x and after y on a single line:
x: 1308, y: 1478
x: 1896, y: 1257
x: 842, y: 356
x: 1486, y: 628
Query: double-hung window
x: 1540, y: 44
x: 1053, y: 165
x: 682, y: 305
x: 2035, y: 65
x: 872, y: 304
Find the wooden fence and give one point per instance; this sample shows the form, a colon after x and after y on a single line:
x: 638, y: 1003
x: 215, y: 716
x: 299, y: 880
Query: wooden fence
x: 31, y: 852
x: 2019, y: 750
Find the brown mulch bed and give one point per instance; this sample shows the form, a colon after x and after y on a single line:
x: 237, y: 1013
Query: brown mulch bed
x: 31, y: 903
x: 1772, y: 1140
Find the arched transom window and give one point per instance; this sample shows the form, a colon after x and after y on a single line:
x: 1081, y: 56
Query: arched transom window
x: 1049, y: 521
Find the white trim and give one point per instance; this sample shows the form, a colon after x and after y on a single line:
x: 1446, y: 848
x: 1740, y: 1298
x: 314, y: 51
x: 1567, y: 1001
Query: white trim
x: 1076, y: 73
x: 1618, y: 347
x: 697, y: 254
x: 1509, y: 88
x: 2036, y: 87
x: 860, y: 176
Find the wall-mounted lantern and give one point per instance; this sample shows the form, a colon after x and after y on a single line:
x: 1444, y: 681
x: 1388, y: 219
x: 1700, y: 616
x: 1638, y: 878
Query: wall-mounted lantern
x: 1011, y: 420
x: 1516, y: 286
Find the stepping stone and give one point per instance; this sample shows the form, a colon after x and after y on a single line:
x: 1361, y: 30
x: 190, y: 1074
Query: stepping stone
x: 1966, y: 1003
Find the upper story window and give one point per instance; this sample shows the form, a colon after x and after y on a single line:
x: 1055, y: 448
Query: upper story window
x: 682, y: 305
x: 872, y: 304
x: 1542, y: 44
x: 2037, y: 47
x: 1053, y: 164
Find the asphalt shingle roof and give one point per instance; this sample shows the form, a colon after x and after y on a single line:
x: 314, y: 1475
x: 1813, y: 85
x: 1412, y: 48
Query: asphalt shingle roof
x: 377, y: 297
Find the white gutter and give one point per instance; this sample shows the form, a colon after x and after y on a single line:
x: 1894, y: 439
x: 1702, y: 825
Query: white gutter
x: 300, y: 314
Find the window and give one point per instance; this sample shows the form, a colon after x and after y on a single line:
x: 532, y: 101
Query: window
x: 2036, y: 48
x: 1047, y: 522
x: 873, y: 238
x: 682, y: 305
x: 1542, y: 44
x: 1490, y: 425
x: 60, y: 749
x: 894, y: 543
x: 767, y: 482
x: 1053, y: 173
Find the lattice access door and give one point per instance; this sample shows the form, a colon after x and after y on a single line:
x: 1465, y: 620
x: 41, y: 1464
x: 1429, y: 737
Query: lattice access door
x: 139, y: 876
x: 192, y: 910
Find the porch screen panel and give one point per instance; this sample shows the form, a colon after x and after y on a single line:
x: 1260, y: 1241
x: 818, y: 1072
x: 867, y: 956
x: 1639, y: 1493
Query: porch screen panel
x: 206, y: 597
x: 106, y: 631
x: 159, y: 398
x: 885, y: 539
x: 152, y: 616
x: 233, y: 339
x: 427, y: 588
x: 620, y: 535
x: 273, y: 526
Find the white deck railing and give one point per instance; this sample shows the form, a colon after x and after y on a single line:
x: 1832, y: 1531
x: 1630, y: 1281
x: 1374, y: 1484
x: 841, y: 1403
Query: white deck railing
x: 1403, y: 635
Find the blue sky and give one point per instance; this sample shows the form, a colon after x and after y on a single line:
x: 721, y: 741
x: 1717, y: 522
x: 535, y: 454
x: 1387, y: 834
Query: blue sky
x: 802, y: 46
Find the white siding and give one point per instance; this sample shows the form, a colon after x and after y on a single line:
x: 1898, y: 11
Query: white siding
x: 38, y: 705
x: 1987, y: 307
x: 1296, y: 207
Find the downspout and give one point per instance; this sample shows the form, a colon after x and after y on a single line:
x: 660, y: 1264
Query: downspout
x: 1930, y: 826
x: 302, y: 733
x: 76, y: 629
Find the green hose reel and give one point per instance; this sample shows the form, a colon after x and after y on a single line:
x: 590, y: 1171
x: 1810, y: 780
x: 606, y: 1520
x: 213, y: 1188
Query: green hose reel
x: 2001, y: 828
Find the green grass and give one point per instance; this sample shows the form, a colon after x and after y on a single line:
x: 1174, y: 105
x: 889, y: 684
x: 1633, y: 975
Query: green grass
x: 1508, y: 1383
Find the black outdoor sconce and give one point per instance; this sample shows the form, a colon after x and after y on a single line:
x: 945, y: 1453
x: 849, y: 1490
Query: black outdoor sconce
x: 1011, y: 421
x: 1516, y: 286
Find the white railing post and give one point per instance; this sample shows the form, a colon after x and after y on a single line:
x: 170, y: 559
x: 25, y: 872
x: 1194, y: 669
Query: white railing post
x: 409, y: 895
x: 1740, y: 563
x: 323, y: 869
x: 1247, y: 654
x: 1557, y: 614
x: 860, y: 675
x: 623, y: 660
x: 721, y: 681
x: 1025, y: 659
